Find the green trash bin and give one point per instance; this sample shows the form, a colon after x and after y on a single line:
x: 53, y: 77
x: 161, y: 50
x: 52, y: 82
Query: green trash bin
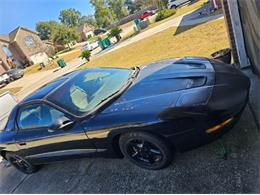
x: 104, y: 43
x: 137, y: 21
x: 61, y: 63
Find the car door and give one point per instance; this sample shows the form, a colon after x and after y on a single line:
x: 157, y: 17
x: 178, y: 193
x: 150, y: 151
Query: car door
x: 39, y: 143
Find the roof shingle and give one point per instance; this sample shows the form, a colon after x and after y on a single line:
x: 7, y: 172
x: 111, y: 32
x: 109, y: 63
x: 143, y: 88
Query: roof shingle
x: 5, y: 38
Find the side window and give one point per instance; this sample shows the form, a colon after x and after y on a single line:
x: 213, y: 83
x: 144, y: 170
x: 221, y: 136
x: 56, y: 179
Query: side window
x: 37, y: 116
x: 6, y: 50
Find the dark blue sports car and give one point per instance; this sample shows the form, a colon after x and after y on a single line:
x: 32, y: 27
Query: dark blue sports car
x: 144, y: 114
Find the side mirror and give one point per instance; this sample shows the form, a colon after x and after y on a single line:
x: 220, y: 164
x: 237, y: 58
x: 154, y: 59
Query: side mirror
x: 62, y: 123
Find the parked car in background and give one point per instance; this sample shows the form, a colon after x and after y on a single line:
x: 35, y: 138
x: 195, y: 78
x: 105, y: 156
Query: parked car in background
x: 4, y: 79
x: 144, y: 113
x: 173, y: 4
x: 7, y: 103
x: 15, y: 74
x: 90, y: 45
x: 99, y: 31
x: 146, y: 14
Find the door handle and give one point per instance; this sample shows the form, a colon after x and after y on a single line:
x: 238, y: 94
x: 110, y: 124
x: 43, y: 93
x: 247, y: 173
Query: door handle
x: 22, y: 144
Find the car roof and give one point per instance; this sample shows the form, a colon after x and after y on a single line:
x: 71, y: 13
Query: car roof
x: 47, y: 88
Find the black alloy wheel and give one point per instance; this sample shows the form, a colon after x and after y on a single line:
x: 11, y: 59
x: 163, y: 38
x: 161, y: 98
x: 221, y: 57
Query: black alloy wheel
x: 20, y: 163
x: 145, y: 150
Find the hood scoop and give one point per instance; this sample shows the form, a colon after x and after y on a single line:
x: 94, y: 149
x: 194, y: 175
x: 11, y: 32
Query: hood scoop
x: 186, y: 63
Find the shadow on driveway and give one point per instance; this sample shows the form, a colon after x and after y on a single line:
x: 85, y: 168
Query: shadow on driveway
x: 195, y: 18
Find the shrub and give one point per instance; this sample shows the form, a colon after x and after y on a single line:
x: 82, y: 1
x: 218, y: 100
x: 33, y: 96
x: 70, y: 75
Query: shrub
x: 86, y: 55
x: 115, y: 32
x: 165, y: 14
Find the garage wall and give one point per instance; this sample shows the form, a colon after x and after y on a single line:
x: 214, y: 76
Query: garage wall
x: 2, y: 69
x: 38, y: 58
x: 250, y: 18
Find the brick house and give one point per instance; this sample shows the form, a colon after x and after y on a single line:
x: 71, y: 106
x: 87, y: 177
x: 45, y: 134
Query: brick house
x: 86, y: 31
x: 23, y: 46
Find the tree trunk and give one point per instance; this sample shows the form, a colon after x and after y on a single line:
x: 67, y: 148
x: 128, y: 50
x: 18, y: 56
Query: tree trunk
x: 118, y: 38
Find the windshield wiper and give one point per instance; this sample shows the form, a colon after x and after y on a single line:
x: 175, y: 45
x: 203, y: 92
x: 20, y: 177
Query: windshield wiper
x: 135, y: 73
x: 108, y: 97
x: 118, y: 92
x: 130, y: 79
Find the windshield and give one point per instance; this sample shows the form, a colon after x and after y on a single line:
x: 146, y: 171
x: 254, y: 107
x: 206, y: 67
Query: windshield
x: 89, y: 88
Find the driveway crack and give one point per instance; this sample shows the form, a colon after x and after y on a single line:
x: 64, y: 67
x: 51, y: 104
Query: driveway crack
x: 19, y: 184
x: 80, y: 177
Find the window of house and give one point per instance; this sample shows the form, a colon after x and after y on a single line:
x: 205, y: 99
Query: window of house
x: 6, y: 50
x: 29, y: 41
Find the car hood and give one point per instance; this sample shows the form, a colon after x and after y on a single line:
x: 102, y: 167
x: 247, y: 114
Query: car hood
x: 160, y: 84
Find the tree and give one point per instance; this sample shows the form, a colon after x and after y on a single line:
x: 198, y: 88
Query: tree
x: 131, y: 6
x: 86, y: 55
x: 45, y: 29
x: 63, y: 35
x: 118, y: 8
x: 89, y: 20
x: 115, y: 32
x: 161, y: 4
x: 103, y: 14
x: 141, y: 4
x: 70, y: 17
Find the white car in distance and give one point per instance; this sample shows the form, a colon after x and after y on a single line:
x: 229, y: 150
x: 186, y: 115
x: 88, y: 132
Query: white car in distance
x: 173, y: 4
x: 90, y: 45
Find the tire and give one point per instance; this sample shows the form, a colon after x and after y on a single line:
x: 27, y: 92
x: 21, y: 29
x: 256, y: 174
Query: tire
x: 145, y: 150
x: 20, y: 163
x: 173, y: 7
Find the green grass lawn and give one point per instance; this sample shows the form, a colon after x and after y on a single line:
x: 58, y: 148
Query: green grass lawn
x: 200, y: 40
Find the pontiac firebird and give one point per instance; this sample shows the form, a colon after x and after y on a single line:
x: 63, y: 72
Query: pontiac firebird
x: 145, y: 114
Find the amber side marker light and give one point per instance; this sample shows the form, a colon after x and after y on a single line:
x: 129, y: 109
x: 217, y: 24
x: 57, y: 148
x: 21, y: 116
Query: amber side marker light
x: 219, y: 126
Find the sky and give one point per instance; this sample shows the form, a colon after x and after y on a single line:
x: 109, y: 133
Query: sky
x: 26, y: 13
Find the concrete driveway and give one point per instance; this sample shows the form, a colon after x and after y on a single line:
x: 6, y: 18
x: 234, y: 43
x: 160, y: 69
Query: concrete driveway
x: 203, y: 170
